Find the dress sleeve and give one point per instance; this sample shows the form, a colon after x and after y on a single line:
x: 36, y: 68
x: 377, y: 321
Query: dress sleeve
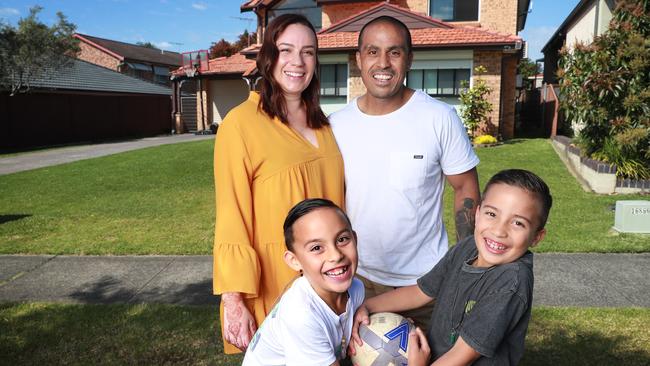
x: 236, y: 267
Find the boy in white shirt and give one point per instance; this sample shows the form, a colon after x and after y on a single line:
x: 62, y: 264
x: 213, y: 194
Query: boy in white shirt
x: 312, y: 322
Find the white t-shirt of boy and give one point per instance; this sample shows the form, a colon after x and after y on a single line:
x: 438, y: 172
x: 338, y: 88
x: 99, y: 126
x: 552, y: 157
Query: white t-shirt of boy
x: 303, y: 330
x: 395, y: 166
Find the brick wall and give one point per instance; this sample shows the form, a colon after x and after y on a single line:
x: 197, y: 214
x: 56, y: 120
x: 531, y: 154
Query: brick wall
x: 356, y: 87
x: 491, y: 60
x: 508, y: 91
x: 95, y: 56
x: 336, y: 12
x: 495, y: 15
x: 499, y: 15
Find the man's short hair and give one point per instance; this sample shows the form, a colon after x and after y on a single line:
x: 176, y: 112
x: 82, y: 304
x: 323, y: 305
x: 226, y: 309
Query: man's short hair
x: 530, y: 183
x: 390, y: 20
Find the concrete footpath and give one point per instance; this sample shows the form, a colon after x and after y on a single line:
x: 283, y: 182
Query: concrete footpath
x: 62, y: 155
x: 583, y: 280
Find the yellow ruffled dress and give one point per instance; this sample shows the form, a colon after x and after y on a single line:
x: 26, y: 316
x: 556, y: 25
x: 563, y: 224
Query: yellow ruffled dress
x: 262, y: 168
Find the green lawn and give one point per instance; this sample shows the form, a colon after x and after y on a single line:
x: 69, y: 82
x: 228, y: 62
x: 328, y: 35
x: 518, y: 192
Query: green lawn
x: 157, y: 200
x: 579, y: 221
x: 43, y: 334
x: 160, y: 200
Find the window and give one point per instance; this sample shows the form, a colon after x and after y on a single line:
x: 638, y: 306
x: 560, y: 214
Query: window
x: 334, y: 80
x: 161, y: 75
x: 454, y: 10
x: 308, y: 8
x: 438, y: 82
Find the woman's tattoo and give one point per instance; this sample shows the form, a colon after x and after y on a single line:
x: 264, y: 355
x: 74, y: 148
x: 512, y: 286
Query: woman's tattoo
x: 233, y: 313
x: 465, y: 219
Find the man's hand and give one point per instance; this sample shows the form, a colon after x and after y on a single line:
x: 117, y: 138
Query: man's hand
x: 238, y: 323
x: 361, y: 316
x: 418, y: 349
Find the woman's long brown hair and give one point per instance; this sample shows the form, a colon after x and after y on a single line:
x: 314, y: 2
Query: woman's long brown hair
x: 272, y: 100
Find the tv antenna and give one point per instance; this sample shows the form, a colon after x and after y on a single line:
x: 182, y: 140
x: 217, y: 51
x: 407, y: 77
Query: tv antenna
x: 178, y: 44
x: 248, y: 25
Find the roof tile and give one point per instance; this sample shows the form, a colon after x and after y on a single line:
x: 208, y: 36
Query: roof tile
x: 135, y: 52
x: 424, y: 38
x: 82, y: 75
x: 235, y: 64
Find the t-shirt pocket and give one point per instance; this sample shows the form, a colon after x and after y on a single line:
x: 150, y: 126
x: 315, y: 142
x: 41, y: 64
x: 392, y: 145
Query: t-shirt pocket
x: 408, y: 172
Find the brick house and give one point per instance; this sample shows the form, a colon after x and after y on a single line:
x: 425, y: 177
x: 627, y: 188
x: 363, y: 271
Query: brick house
x: 142, y: 62
x: 448, y: 42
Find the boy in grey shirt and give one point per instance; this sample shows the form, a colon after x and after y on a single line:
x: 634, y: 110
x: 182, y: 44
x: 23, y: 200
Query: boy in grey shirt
x: 483, y: 286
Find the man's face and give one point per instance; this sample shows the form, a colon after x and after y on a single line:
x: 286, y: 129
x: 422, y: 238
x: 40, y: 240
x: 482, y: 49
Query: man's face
x: 383, y: 60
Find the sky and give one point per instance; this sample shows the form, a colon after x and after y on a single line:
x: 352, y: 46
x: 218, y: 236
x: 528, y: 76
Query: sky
x: 188, y: 25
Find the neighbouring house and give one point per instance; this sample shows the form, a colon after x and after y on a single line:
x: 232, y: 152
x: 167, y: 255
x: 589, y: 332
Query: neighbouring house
x: 83, y: 102
x: 146, y: 63
x: 450, y: 38
x: 589, y: 19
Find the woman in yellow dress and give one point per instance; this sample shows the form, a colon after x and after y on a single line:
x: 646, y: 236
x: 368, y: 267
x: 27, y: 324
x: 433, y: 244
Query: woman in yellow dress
x: 272, y: 151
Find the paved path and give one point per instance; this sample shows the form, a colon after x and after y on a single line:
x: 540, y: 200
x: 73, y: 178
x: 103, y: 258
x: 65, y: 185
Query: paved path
x: 62, y: 155
x: 584, y: 280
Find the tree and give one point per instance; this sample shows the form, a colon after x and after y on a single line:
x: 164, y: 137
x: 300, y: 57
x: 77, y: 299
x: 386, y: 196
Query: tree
x: 225, y: 48
x: 475, y: 106
x: 221, y: 48
x: 245, y: 40
x: 605, y: 89
x: 31, y: 49
x: 526, y: 69
x: 147, y: 45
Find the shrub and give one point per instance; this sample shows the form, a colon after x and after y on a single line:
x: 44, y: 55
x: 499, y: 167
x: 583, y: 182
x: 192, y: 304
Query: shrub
x: 605, y: 87
x: 485, y: 139
x: 475, y: 106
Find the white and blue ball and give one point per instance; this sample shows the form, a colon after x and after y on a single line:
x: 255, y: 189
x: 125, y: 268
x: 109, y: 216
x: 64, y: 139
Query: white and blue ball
x: 385, y: 341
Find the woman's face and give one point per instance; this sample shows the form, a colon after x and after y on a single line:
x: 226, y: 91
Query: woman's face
x: 296, y: 60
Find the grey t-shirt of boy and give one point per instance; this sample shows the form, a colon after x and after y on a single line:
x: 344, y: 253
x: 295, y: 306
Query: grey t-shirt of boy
x: 488, y: 307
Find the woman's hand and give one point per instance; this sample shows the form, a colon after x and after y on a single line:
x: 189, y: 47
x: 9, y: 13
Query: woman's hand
x: 418, y: 349
x: 361, y: 316
x: 238, y: 323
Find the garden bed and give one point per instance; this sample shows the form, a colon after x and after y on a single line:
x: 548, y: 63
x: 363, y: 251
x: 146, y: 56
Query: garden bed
x: 598, y: 176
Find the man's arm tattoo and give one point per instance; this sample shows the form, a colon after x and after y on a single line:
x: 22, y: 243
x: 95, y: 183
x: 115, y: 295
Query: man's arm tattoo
x: 465, y: 219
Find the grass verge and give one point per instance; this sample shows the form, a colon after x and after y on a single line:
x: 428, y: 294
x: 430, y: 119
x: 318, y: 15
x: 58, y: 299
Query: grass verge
x: 38, y: 333
x: 160, y: 200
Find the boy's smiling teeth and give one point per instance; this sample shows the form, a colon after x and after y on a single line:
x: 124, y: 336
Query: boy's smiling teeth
x: 494, y: 245
x: 335, y: 272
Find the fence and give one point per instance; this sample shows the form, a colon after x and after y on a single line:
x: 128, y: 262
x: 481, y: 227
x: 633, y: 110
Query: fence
x: 539, y: 111
x: 54, y: 118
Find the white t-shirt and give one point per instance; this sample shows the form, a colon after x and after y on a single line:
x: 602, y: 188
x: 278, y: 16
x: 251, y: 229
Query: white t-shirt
x: 394, y: 176
x: 303, y: 330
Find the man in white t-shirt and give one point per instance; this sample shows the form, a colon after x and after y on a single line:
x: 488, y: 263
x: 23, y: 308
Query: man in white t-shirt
x: 399, y: 146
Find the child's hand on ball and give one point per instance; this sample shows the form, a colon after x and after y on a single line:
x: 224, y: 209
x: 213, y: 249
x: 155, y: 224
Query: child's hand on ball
x: 360, y: 317
x: 418, y: 350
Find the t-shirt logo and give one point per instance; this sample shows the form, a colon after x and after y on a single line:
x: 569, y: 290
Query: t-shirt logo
x: 469, y: 305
